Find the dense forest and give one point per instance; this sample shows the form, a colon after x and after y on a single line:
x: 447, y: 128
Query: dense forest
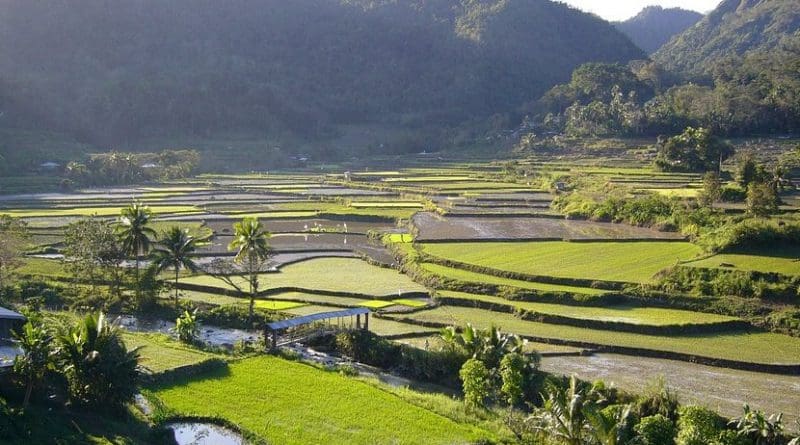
x: 655, y: 26
x: 158, y: 69
x: 755, y: 89
x: 732, y: 30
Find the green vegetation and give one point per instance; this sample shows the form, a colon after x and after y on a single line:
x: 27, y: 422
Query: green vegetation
x: 307, y: 405
x: 329, y: 274
x: 784, y: 260
x: 474, y: 277
x: 159, y: 353
x: 93, y: 211
x: 756, y: 347
x: 603, y: 260
x: 626, y: 314
x: 274, y: 305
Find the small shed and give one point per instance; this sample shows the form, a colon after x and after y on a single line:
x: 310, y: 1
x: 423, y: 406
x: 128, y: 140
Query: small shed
x: 9, y: 320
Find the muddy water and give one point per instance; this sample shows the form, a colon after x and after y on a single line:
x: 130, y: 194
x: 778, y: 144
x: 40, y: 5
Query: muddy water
x: 722, y: 389
x: 211, y: 335
x: 193, y: 433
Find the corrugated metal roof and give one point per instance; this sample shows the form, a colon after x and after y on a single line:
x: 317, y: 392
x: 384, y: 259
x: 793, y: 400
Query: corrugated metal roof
x: 306, y: 319
x: 10, y: 315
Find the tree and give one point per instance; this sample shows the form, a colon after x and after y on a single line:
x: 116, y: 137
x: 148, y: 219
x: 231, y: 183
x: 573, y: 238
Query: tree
x: 694, y: 150
x: 749, y: 170
x: 13, y: 239
x: 100, y: 370
x: 608, y: 426
x: 487, y: 345
x: 698, y: 426
x: 562, y: 414
x: 173, y: 251
x: 251, y: 243
x: 135, y: 235
x: 476, y: 385
x: 761, y: 199
x: 712, y: 189
x: 513, y: 372
x: 91, y: 250
x: 36, y: 358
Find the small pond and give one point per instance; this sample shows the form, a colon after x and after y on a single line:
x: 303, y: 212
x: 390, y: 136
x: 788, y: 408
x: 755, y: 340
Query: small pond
x: 212, y: 335
x: 196, y: 433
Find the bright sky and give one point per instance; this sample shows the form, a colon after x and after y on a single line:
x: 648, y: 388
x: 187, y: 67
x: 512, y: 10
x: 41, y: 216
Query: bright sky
x: 624, y: 9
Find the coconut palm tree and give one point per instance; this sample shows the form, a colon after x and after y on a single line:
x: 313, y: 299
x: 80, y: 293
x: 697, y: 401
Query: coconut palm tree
x: 562, y: 414
x: 36, y: 358
x: 251, y: 243
x: 134, y: 234
x: 173, y: 251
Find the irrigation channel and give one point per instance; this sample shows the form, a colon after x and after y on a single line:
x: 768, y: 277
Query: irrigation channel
x: 725, y: 390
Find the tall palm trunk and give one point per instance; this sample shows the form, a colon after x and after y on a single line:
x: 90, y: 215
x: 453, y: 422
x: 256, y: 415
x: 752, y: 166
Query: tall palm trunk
x: 252, y: 288
x: 177, y: 270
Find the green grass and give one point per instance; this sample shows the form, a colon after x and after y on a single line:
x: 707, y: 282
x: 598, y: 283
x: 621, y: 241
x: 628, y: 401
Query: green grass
x: 410, y: 303
x: 89, y: 211
x: 386, y: 204
x: 274, y: 305
x: 331, y: 274
x: 755, y: 347
x: 42, y: 267
x: 293, y: 403
x: 598, y: 260
x: 778, y: 260
x: 626, y: 314
x: 376, y: 304
x: 474, y: 277
x: 160, y: 353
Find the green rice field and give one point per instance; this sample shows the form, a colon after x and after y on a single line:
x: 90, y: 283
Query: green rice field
x: 635, y: 262
x: 625, y: 314
x: 159, y: 353
x: 784, y: 261
x: 330, y: 274
x: 474, y: 277
x: 293, y: 403
x: 755, y: 347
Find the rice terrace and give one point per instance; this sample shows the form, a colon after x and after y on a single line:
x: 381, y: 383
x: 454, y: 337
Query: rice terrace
x: 597, y: 244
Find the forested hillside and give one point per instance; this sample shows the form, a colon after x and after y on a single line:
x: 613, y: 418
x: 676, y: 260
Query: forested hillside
x: 733, y: 29
x: 655, y: 26
x: 171, y: 69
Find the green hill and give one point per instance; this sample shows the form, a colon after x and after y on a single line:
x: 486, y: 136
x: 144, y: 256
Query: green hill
x: 735, y: 28
x: 115, y: 72
x: 654, y: 26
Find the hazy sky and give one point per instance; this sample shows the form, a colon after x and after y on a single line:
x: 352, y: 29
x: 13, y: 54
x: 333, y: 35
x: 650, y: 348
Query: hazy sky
x: 623, y: 9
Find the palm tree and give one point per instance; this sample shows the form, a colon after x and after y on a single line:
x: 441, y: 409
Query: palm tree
x: 134, y: 234
x: 251, y: 243
x: 36, y: 358
x: 608, y: 428
x: 174, y: 251
x: 562, y: 414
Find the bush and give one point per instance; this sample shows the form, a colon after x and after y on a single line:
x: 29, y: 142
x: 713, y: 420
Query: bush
x: 698, y: 426
x: 99, y: 369
x: 476, y: 385
x: 367, y: 347
x: 655, y: 430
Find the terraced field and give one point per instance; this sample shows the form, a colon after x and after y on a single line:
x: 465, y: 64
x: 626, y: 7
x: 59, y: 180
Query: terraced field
x: 784, y: 261
x: 307, y: 405
x: 625, y: 314
x: 329, y: 274
x: 635, y: 262
x: 755, y: 347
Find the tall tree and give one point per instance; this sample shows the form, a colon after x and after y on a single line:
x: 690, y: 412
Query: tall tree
x: 93, y: 251
x: 13, y: 239
x: 135, y: 234
x: 251, y: 243
x: 174, y: 251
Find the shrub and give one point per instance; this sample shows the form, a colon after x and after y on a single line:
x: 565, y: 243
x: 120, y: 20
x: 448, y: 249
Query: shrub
x: 367, y: 347
x: 186, y: 327
x: 655, y: 430
x: 476, y: 385
x: 698, y: 426
x: 99, y: 369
